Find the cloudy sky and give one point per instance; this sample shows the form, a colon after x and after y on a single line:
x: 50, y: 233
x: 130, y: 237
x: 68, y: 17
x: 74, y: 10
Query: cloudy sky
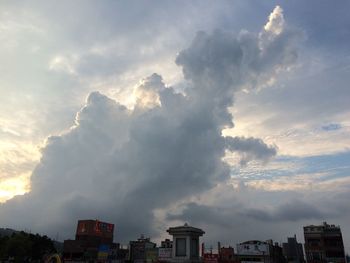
x: 232, y: 116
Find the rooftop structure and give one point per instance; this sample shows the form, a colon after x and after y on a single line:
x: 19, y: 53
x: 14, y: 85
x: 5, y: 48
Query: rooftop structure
x: 185, y: 243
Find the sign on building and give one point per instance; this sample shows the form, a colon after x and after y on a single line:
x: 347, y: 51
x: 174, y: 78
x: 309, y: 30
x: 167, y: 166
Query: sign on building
x: 165, y: 254
x: 210, y: 258
x: 258, y: 249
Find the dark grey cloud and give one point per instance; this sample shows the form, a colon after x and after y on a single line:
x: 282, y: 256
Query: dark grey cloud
x: 228, y: 214
x: 243, y: 213
x: 200, y: 214
x: 294, y: 210
x: 121, y: 164
x: 250, y: 149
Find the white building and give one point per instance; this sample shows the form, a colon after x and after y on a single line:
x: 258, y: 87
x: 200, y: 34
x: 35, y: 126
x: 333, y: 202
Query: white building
x: 185, y: 243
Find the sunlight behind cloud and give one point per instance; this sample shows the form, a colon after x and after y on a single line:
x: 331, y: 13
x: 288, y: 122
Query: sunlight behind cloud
x: 64, y: 64
x: 17, y: 160
x: 14, y: 186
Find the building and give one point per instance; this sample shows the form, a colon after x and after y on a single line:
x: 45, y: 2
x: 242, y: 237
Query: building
x: 221, y: 255
x: 93, y: 241
x: 165, y: 251
x: 143, y: 250
x: 185, y: 243
x: 227, y: 255
x: 122, y: 254
x: 324, y: 243
x: 293, y: 251
x: 210, y: 255
x: 260, y: 251
x: 210, y: 258
x: 253, y: 251
x: 276, y: 252
x: 167, y: 243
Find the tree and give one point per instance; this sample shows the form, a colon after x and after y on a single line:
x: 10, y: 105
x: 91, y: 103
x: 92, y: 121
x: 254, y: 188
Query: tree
x: 22, y: 247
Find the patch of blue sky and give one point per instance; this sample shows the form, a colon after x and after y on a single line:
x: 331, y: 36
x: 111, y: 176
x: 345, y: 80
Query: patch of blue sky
x: 281, y: 166
x: 331, y: 127
x: 333, y: 166
x: 323, y: 162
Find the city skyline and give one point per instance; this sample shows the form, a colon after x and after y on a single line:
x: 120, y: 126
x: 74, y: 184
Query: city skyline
x: 232, y: 116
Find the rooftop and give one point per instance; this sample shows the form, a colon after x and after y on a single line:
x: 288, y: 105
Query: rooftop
x: 185, y: 229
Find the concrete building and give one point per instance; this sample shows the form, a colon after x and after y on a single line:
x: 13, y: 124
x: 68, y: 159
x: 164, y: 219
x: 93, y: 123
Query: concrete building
x: 185, y: 243
x: 143, y: 250
x: 293, y: 251
x: 276, y: 252
x: 165, y: 251
x: 324, y: 243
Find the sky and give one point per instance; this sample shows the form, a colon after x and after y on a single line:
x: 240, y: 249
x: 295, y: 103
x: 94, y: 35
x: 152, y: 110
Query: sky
x: 232, y: 116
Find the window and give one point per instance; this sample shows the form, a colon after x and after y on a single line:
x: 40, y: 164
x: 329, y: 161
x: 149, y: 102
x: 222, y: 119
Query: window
x: 316, y: 256
x: 194, y: 247
x: 180, y: 247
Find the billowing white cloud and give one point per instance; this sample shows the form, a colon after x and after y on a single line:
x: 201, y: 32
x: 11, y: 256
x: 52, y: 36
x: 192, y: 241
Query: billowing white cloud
x: 122, y: 164
x: 276, y: 22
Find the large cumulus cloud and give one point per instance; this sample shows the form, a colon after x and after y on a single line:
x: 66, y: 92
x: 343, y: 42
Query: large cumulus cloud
x: 121, y: 164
